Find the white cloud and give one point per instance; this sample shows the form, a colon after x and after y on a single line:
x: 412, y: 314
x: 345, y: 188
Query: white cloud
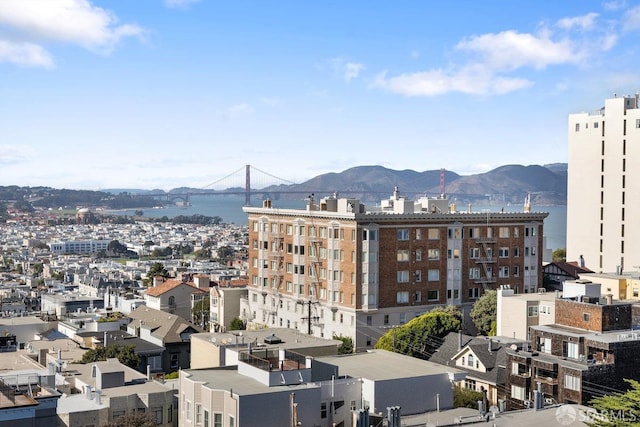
x: 34, y: 23
x: 240, y: 109
x: 584, y: 22
x: 491, y: 58
x: 439, y: 82
x: 348, y: 70
x: 510, y: 50
x: 631, y: 20
x: 12, y: 154
x: 179, y: 3
x: 25, y: 54
x: 614, y: 5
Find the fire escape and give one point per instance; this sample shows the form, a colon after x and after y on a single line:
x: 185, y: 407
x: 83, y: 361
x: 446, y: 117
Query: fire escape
x: 276, y: 271
x: 487, y: 261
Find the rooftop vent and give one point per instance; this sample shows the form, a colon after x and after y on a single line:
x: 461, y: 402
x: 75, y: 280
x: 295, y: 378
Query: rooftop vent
x: 272, y: 339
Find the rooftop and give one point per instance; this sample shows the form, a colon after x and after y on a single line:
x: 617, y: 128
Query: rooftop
x: 381, y: 365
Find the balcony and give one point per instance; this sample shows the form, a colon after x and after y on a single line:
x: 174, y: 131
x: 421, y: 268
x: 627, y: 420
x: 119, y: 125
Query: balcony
x: 484, y: 260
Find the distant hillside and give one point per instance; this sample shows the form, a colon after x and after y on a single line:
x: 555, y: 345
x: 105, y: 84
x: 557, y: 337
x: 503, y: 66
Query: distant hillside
x: 504, y: 185
x: 508, y: 184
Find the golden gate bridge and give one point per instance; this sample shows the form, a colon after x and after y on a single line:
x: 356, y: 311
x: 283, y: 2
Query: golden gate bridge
x: 247, y: 180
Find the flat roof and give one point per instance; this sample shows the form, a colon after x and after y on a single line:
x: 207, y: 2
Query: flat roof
x: 228, y: 378
x: 381, y: 365
x: 291, y: 338
x: 16, y: 361
x: 26, y: 320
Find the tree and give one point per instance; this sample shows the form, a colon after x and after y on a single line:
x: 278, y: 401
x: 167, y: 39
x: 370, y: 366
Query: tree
x: 617, y: 409
x: 37, y: 269
x: 422, y: 335
x: 347, y: 344
x: 157, y: 269
x: 225, y: 253
x: 133, y: 419
x: 466, y: 398
x: 237, y: 324
x: 200, y: 311
x: 559, y: 255
x: 116, y: 247
x: 484, y: 311
x: 125, y: 354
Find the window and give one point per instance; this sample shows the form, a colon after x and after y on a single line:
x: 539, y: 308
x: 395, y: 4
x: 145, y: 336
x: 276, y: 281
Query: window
x: 418, y: 296
x: 433, y: 254
x: 403, y: 318
x: 217, y: 420
x: 516, y: 252
x: 503, y: 232
x: 402, y: 255
x: 418, y: 234
x: 470, y: 361
x: 474, y: 273
x: 586, y: 317
x: 198, y: 413
x: 369, y: 320
x: 546, y: 346
x: 517, y: 392
x: 432, y: 295
x: 433, y: 275
x: 503, y: 252
x: 571, y: 350
x: 474, y: 293
x: 418, y: 255
x: 474, y: 253
x: 417, y: 275
x: 386, y: 319
x: 577, y: 130
x: 433, y: 234
x: 503, y: 271
x: 174, y: 360
x: 402, y: 297
x: 403, y: 234
x: 637, y: 123
x: 232, y: 421
x: 532, y: 310
x: 187, y: 410
x: 571, y: 382
x: 369, y: 235
x: 403, y: 276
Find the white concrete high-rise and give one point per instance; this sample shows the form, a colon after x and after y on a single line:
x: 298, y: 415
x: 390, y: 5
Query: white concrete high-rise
x: 603, y: 200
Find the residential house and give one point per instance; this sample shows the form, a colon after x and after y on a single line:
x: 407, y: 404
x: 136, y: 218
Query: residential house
x: 103, y: 391
x: 173, y: 296
x: 482, y: 358
x: 276, y: 387
x: 589, y: 351
x: 166, y: 330
x: 516, y: 313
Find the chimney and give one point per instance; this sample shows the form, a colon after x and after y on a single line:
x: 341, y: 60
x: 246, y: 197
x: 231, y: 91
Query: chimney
x: 98, y: 397
x: 609, y: 299
x: 87, y: 392
x: 104, y: 340
x: 490, y: 345
x: 459, y: 340
x: 148, y: 372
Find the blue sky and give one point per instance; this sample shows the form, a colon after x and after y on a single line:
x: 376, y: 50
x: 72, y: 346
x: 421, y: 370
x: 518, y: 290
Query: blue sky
x: 166, y: 93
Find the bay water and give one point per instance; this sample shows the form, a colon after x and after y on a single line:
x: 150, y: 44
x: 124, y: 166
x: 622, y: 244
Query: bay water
x: 229, y: 208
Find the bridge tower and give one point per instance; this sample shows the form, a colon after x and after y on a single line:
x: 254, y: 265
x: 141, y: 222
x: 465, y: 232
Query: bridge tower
x: 247, y: 186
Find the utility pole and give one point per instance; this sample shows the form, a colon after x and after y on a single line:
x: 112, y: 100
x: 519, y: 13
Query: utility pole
x: 308, y: 318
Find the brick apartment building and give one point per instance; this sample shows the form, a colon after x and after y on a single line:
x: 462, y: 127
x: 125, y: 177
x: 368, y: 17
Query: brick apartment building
x: 589, y: 351
x: 342, y: 268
